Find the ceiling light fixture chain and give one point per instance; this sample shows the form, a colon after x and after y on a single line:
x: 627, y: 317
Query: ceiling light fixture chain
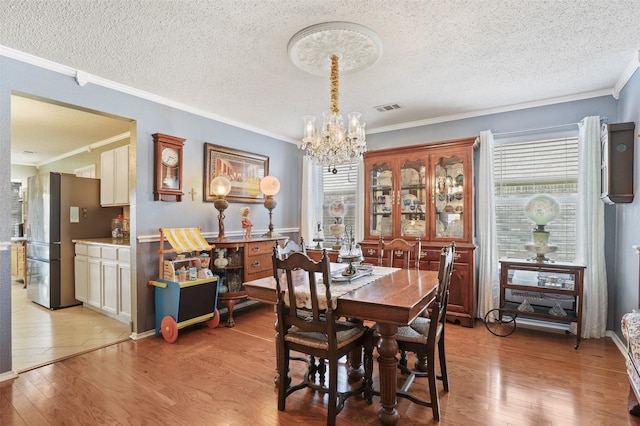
x: 332, y: 144
x: 335, y: 85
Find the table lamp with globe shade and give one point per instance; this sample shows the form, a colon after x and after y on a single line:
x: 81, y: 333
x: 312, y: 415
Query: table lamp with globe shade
x: 270, y: 186
x: 541, y: 210
x: 220, y: 187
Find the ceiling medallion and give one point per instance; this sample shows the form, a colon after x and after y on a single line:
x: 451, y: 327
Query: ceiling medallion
x: 329, y: 48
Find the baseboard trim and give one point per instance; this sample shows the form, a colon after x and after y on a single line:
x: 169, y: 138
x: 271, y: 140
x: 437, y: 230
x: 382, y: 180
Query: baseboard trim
x: 622, y: 347
x: 9, y: 375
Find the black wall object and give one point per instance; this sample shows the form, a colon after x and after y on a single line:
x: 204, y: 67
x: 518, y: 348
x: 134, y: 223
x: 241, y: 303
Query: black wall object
x: 617, y: 162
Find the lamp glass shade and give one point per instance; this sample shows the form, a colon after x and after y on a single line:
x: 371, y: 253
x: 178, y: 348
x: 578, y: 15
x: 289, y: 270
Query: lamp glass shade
x: 220, y: 186
x: 542, y: 209
x: 269, y: 185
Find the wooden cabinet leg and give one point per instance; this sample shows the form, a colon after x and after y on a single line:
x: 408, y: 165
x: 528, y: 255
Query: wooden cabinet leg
x: 230, y: 304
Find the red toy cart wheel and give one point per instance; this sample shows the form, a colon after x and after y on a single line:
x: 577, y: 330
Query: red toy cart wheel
x: 169, y: 329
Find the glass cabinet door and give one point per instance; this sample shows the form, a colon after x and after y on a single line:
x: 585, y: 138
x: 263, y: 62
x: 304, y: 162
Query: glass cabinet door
x: 449, y: 200
x: 412, y: 199
x: 381, y: 200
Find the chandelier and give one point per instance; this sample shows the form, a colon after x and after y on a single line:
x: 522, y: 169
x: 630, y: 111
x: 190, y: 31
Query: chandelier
x: 311, y: 49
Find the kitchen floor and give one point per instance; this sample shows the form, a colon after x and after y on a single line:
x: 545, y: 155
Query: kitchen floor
x: 41, y: 336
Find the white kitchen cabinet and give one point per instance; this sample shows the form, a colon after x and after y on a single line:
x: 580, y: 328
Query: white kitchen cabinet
x: 124, y: 292
x: 81, y: 273
x: 114, y: 177
x: 95, y: 282
x: 103, y: 279
x: 110, y: 286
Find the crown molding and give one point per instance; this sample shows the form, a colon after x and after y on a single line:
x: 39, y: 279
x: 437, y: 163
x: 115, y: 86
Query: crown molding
x: 89, y: 78
x: 480, y: 113
x: 631, y: 68
x: 83, y: 78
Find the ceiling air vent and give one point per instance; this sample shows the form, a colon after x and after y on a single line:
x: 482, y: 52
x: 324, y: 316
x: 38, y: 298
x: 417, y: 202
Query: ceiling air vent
x: 387, y: 107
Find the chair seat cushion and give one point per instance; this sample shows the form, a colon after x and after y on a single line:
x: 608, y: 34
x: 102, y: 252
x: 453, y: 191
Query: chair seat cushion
x: 408, y: 334
x: 421, y: 325
x: 416, y: 332
x: 345, y: 333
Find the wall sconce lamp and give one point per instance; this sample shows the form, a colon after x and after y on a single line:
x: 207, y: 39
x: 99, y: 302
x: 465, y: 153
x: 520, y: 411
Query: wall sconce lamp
x: 220, y: 186
x: 269, y: 186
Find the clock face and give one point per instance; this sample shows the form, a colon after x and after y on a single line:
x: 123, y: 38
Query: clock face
x: 170, y: 157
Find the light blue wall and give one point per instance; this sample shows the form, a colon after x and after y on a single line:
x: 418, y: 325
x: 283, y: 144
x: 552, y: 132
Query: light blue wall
x: 627, y: 283
x: 531, y: 118
x: 148, y: 216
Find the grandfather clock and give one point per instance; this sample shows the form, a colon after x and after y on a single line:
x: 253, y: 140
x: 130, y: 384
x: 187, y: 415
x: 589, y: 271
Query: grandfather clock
x: 168, y: 167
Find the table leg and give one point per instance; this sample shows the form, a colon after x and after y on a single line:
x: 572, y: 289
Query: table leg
x: 387, y: 367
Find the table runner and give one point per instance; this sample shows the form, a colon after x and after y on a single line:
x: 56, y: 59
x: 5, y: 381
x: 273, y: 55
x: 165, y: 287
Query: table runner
x: 303, y: 295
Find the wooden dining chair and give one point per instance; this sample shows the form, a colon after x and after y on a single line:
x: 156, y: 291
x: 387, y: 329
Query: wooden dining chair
x: 284, y: 251
x: 307, y: 323
x: 289, y: 247
x: 424, y: 335
x: 410, y: 252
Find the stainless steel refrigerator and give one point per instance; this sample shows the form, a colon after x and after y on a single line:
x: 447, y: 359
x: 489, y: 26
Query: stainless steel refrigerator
x: 62, y: 207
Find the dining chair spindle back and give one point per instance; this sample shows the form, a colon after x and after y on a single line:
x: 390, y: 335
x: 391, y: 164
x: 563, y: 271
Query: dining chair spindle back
x: 410, y: 252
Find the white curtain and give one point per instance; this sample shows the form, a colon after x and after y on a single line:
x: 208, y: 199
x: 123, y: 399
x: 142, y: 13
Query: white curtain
x: 488, y: 281
x: 309, y: 193
x: 590, y: 230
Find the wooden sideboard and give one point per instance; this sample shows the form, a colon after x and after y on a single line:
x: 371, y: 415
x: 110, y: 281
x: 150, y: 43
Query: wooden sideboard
x: 247, y: 260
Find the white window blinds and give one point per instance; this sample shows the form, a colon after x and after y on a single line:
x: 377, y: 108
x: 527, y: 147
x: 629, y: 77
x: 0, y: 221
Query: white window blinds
x: 525, y: 169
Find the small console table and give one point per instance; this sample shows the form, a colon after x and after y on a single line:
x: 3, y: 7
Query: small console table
x: 547, y: 291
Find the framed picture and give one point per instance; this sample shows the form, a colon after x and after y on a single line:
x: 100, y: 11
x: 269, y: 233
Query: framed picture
x: 243, y: 169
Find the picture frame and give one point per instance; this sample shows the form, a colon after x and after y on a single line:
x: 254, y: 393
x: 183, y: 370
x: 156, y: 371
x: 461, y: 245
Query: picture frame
x: 244, y: 170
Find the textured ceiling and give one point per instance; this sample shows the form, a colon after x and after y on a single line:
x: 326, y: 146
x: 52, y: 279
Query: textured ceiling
x: 228, y: 59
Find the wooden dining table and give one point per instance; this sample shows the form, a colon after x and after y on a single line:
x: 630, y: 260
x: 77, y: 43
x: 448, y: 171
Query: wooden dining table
x: 390, y: 300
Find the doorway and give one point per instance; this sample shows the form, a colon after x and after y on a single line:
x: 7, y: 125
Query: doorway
x: 51, y: 136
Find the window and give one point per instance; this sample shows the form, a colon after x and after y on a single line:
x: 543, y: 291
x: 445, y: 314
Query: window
x: 335, y: 187
x: 523, y: 170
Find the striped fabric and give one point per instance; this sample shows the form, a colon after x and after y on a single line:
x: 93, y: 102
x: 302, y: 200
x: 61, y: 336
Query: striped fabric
x: 185, y: 239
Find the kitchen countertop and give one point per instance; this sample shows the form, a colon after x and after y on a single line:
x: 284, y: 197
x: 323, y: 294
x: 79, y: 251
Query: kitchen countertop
x: 120, y: 242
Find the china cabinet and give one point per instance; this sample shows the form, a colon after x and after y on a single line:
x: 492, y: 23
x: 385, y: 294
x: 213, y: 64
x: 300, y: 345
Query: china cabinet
x: 426, y: 192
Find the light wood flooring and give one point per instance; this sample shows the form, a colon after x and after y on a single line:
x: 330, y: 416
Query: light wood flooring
x: 224, y: 376
x: 41, y: 336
